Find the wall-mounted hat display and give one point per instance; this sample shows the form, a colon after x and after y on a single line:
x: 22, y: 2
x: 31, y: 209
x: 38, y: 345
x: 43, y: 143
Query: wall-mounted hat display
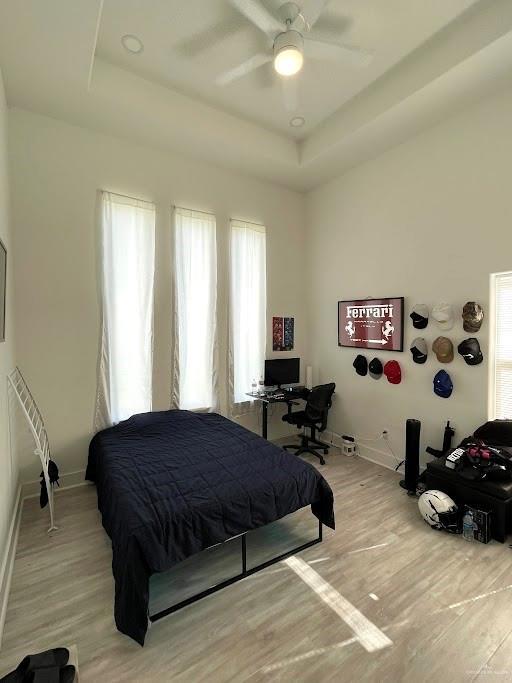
x: 419, y: 316
x: 443, y: 385
x: 375, y: 368
x: 361, y: 365
x: 443, y: 315
x: 419, y: 350
x: 470, y: 350
x: 472, y: 316
x: 393, y: 372
x: 443, y: 348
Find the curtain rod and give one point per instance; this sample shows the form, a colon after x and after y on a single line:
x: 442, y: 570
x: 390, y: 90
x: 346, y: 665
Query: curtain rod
x: 127, y: 196
x: 184, y: 208
x: 242, y: 220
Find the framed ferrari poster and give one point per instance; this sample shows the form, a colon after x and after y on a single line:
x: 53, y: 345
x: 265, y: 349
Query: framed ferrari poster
x: 372, y: 323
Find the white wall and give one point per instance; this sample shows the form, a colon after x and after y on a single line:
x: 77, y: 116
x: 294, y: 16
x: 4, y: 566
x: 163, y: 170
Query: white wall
x: 8, y: 466
x: 428, y: 220
x: 56, y: 171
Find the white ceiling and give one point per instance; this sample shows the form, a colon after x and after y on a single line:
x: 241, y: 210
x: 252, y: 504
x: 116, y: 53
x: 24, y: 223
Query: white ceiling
x: 187, y: 43
x: 64, y: 59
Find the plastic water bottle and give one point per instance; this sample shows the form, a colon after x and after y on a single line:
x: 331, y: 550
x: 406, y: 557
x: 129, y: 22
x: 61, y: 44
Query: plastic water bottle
x: 468, y: 526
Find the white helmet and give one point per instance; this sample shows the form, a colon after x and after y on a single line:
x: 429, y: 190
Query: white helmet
x: 438, y: 510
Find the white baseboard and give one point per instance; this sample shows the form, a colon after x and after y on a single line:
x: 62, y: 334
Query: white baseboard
x: 377, y: 456
x: 8, y: 559
x: 31, y: 489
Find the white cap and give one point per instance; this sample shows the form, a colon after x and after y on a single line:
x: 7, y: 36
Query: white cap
x: 443, y: 315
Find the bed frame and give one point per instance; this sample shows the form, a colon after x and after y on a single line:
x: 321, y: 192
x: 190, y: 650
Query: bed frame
x: 238, y: 577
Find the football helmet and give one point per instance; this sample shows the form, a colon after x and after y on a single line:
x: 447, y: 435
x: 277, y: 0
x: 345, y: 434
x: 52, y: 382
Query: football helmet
x: 439, y: 510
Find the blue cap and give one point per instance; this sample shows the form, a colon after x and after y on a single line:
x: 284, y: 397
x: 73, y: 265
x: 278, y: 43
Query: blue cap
x: 443, y: 385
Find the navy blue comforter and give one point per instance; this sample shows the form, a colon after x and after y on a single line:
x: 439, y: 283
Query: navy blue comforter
x: 173, y: 483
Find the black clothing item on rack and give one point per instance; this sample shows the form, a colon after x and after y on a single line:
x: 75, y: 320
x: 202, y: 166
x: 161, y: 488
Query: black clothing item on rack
x: 53, y: 475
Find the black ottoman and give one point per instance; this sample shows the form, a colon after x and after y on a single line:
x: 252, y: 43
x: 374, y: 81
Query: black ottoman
x: 491, y: 495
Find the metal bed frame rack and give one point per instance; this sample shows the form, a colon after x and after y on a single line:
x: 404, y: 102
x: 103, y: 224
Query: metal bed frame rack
x: 238, y: 577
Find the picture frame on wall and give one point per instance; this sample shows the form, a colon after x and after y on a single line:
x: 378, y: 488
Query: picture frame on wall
x: 372, y: 323
x: 3, y: 286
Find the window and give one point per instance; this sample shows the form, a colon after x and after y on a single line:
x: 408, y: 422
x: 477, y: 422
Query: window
x: 500, y: 385
x: 127, y: 274
x: 195, y: 269
x: 248, y: 300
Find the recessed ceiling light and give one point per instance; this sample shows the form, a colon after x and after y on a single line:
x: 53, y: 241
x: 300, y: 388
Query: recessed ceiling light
x: 297, y: 121
x: 132, y: 44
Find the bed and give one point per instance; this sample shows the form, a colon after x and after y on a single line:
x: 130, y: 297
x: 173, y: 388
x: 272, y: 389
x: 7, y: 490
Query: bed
x: 173, y: 483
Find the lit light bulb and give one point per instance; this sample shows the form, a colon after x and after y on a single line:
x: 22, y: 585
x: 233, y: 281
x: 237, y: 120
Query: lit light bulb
x: 288, y: 61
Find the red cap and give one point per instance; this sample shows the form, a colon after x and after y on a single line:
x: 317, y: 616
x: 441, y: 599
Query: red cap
x: 393, y: 372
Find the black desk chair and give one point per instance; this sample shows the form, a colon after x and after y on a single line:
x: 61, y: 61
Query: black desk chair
x: 314, y: 416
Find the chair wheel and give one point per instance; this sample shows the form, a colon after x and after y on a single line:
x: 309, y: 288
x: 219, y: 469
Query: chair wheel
x: 322, y: 461
x: 326, y: 451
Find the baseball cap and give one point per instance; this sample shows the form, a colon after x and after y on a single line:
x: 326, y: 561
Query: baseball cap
x: 443, y: 385
x: 419, y: 350
x: 472, y: 315
x: 419, y: 316
x: 443, y: 348
x: 361, y: 365
x: 443, y: 315
x: 470, y: 350
x: 375, y: 368
x: 393, y: 372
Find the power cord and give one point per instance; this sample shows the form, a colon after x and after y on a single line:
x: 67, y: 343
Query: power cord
x: 382, y: 436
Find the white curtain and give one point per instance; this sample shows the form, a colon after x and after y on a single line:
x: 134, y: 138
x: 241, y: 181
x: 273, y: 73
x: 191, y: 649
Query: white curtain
x: 501, y: 347
x: 195, y: 277
x: 248, y: 304
x: 127, y: 273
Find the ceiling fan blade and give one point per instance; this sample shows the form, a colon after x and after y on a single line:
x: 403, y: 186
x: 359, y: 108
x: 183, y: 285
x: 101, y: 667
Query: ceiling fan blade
x: 243, y: 69
x: 290, y: 92
x: 319, y: 49
x: 259, y: 16
x: 310, y: 10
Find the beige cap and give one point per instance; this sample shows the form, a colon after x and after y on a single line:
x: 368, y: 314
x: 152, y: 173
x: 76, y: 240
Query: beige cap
x: 443, y: 348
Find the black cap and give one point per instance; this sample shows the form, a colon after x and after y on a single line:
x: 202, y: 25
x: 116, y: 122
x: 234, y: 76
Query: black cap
x: 469, y: 349
x: 419, y: 350
x: 361, y: 365
x: 375, y: 368
x: 419, y: 316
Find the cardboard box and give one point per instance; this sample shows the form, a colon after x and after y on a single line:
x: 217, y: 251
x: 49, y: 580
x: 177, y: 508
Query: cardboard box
x: 482, y: 522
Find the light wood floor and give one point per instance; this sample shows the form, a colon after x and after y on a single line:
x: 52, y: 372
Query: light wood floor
x: 446, y: 604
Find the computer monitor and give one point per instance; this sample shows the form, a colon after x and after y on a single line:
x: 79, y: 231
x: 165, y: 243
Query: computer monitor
x: 282, y: 371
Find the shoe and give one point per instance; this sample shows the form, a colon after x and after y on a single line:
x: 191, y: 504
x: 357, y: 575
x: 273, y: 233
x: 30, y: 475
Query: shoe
x: 58, y: 657
x: 51, y: 674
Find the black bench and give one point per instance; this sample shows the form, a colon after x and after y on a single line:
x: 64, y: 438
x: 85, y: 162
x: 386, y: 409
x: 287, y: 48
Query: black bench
x: 491, y: 495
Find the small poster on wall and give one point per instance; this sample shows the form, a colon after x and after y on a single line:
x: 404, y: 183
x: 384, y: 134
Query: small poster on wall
x: 372, y: 323
x: 283, y: 332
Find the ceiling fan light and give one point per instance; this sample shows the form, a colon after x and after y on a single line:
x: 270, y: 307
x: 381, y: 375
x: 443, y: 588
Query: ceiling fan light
x: 288, y: 61
x: 288, y: 57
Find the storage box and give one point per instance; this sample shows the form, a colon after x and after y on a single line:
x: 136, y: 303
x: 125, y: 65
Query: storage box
x: 482, y: 522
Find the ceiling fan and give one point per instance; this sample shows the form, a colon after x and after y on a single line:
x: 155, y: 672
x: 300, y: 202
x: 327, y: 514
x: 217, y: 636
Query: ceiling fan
x: 289, y: 40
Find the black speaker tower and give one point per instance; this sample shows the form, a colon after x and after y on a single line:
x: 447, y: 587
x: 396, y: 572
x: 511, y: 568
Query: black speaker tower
x: 412, y: 456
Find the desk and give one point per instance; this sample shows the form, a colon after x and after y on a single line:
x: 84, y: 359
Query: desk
x: 287, y: 396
